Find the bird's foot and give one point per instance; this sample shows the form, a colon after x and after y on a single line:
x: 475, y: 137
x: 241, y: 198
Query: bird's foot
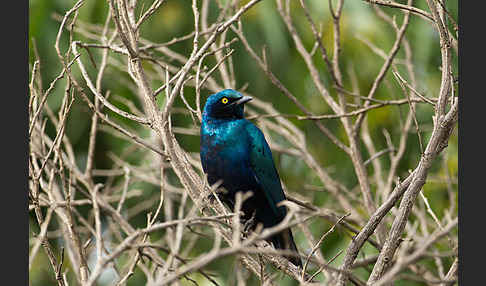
x: 248, y: 225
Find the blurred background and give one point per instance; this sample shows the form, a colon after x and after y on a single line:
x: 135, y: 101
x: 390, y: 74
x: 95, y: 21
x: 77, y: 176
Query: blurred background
x: 263, y: 27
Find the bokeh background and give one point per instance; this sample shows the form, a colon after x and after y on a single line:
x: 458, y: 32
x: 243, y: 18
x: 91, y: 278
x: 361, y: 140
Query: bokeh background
x: 263, y: 27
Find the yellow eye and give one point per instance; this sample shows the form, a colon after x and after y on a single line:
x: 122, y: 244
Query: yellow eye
x: 224, y: 100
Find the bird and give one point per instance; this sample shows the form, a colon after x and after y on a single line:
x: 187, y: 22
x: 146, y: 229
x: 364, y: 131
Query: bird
x: 234, y: 152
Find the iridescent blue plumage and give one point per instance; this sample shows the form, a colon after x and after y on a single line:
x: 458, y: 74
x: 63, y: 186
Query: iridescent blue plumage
x: 235, y: 151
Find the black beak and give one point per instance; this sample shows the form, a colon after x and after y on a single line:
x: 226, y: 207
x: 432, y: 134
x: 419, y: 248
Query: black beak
x: 242, y: 100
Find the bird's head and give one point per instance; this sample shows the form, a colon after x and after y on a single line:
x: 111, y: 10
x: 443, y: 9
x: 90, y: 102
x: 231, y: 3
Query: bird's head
x: 227, y: 103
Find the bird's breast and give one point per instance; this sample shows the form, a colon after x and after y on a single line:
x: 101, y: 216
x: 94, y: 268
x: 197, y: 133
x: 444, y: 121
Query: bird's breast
x: 225, y: 156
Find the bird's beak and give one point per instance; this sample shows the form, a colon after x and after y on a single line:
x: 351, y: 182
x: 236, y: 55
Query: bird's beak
x: 242, y: 100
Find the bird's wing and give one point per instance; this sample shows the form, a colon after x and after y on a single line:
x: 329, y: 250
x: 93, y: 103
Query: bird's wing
x: 263, y: 168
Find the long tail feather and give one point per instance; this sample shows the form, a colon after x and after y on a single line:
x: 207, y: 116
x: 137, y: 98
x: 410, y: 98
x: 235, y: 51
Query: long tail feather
x: 285, y: 240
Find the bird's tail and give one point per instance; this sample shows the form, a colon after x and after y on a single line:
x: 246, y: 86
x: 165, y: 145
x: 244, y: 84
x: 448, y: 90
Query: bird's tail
x: 285, y: 240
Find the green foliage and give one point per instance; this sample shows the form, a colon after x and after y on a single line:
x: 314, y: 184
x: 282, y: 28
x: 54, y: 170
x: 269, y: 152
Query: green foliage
x: 263, y: 27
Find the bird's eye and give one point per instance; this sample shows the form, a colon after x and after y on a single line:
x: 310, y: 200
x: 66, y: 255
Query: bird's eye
x: 224, y: 100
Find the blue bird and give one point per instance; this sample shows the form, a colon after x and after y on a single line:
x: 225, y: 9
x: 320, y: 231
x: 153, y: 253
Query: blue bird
x: 235, y: 151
